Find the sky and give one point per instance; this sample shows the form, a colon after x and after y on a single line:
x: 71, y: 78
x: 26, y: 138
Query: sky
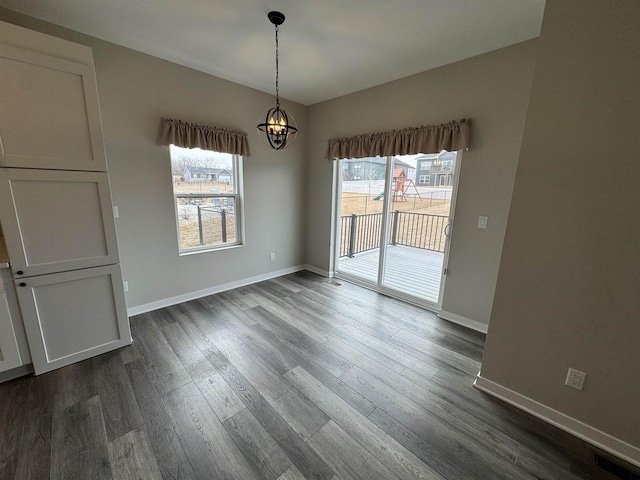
x: 223, y: 160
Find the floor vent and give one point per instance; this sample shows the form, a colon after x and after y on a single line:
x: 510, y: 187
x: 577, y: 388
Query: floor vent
x: 614, y: 469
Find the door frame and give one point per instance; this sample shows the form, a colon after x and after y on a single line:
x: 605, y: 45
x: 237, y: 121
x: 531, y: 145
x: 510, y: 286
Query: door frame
x: 378, y: 285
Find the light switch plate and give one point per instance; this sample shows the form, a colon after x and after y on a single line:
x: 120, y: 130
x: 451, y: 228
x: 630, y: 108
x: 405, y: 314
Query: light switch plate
x: 482, y: 221
x: 116, y: 214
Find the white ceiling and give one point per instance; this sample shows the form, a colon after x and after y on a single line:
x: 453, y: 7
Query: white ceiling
x: 328, y: 48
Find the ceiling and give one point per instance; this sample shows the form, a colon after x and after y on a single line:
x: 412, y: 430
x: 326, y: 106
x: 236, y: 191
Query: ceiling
x: 328, y: 48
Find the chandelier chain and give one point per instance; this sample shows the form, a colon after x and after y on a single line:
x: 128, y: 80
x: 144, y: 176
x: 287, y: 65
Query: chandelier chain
x: 277, y: 71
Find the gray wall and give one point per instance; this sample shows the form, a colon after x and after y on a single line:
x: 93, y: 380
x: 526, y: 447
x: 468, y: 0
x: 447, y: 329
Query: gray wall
x: 135, y: 91
x: 493, y: 89
x: 567, y: 293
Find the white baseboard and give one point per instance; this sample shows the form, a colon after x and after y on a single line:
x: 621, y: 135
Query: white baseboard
x: 464, y: 321
x: 319, y: 271
x: 602, y: 440
x: 185, y: 297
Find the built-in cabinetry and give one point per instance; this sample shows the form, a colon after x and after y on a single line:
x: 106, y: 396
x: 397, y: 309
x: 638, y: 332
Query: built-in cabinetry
x: 57, y: 220
x: 9, y: 350
x: 14, y: 350
x: 55, y: 205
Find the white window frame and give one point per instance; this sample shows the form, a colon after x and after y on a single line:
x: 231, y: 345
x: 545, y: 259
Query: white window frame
x: 238, y: 206
x: 427, y: 179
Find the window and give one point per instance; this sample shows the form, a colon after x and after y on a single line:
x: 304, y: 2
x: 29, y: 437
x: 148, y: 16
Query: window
x: 424, y: 180
x: 357, y: 167
x: 424, y: 166
x: 207, y: 191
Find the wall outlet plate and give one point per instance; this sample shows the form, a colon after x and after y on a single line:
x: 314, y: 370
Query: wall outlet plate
x: 575, y: 379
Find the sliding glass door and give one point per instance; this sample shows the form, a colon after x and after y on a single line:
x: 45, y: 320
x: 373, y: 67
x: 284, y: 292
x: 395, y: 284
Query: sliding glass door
x: 394, y: 222
x: 361, y: 217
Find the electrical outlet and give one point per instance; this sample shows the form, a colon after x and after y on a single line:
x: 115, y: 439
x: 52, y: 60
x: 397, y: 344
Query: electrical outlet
x: 125, y: 284
x: 482, y: 221
x: 575, y: 379
x: 272, y: 256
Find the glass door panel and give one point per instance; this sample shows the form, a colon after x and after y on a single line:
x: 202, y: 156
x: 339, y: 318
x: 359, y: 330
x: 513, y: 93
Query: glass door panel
x: 418, y: 226
x: 361, y: 220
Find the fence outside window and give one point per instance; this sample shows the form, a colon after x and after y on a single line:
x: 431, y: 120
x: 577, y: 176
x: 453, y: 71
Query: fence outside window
x: 206, y: 220
x: 360, y: 233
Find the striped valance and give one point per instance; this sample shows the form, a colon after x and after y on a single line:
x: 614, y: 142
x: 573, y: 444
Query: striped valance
x: 452, y: 136
x: 192, y: 135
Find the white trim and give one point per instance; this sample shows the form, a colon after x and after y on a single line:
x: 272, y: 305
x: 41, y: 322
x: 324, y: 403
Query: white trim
x: 319, y: 271
x: 464, y: 321
x: 598, y: 438
x: 185, y: 297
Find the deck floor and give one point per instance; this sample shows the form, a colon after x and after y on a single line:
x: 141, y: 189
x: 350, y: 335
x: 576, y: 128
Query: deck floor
x: 410, y: 270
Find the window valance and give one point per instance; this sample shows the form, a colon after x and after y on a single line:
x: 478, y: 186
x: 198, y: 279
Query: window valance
x: 450, y: 136
x: 192, y: 135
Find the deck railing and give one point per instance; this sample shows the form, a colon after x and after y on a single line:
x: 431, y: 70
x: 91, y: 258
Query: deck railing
x: 205, y: 219
x: 361, y: 233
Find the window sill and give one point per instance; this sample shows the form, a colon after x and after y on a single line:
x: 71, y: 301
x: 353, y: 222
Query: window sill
x: 207, y: 249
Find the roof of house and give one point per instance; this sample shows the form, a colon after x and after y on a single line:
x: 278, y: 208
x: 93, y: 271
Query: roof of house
x: 383, y: 161
x: 207, y: 171
x: 444, y: 155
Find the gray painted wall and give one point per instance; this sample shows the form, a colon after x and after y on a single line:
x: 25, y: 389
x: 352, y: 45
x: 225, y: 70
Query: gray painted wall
x: 567, y: 292
x: 135, y: 91
x: 492, y: 89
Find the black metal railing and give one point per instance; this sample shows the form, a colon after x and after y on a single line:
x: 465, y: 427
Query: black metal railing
x: 213, y: 224
x: 206, y: 219
x: 361, y: 233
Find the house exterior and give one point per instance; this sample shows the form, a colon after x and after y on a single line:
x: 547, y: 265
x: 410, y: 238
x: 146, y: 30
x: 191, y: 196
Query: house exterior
x: 373, y: 168
x: 204, y: 174
x: 435, y: 169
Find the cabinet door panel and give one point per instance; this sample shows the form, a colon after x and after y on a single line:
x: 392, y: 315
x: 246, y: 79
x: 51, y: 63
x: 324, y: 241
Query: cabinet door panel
x: 57, y: 221
x: 49, y: 114
x: 73, y: 316
x: 9, y: 353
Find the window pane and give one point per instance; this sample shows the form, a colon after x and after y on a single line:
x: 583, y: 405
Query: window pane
x: 202, y: 171
x: 207, y: 198
x: 206, y: 221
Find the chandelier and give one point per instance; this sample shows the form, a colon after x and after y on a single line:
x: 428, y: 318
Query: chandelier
x: 277, y: 128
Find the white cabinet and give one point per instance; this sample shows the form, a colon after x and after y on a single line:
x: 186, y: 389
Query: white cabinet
x: 14, y: 350
x: 55, y: 204
x: 56, y: 221
x: 73, y: 316
x: 9, y: 352
x: 49, y: 114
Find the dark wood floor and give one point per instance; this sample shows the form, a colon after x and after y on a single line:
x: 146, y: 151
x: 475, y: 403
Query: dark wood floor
x: 297, y: 377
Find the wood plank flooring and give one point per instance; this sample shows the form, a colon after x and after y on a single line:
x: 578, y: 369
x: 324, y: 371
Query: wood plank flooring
x: 299, y: 377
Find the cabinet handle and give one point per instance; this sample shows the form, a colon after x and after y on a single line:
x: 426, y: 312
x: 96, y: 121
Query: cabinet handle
x: 22, y: 284
x: 20, y: 272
